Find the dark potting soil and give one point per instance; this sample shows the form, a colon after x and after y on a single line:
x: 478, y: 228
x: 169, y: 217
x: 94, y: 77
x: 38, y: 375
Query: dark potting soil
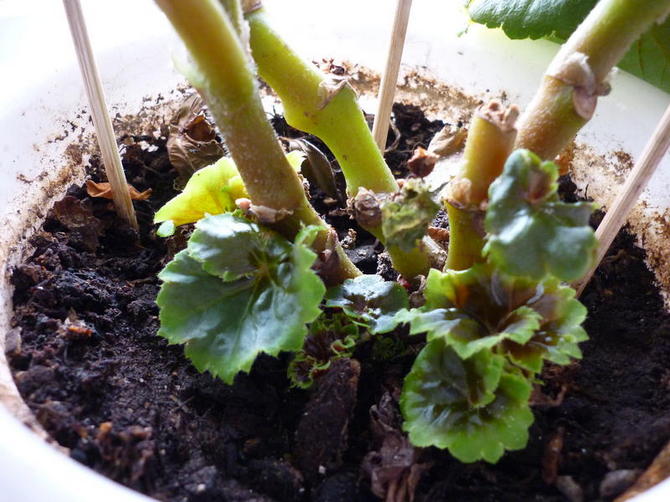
x: 87, y: 360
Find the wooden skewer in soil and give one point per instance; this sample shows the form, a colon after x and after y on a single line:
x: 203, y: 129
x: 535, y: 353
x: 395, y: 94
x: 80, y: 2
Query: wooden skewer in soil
x: 390, y: 77
x: 636, y: 182
x: 101, y: 120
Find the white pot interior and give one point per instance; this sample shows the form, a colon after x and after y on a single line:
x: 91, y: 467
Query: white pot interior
x: 43, y: 98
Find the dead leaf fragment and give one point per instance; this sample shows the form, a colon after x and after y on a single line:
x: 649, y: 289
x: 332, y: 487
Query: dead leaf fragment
x: 192, y: 142
x: 422, y: 162
x: 104, y: 190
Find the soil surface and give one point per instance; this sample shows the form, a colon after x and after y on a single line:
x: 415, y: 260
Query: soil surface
x: 86, y: 358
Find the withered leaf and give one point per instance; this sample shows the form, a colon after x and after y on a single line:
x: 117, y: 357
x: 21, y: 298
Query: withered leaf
x: 192, y: 142
x: 316, y: 167
x: 104, y: 190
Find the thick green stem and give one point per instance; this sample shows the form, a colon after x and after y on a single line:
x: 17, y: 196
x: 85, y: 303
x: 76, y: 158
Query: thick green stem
x: 229, y: 87
x: 331, y: 112
x: 490, y: 141
x: 578, y: 74
x: 314, y: 105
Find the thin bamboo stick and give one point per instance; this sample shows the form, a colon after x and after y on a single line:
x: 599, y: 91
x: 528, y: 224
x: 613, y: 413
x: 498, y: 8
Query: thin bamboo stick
x: 390, y: 77
x: 101, y: 120
x: 636, y: 182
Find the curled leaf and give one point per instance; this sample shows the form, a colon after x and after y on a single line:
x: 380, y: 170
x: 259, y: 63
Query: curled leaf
x: 530, y: 231
x: 228, y: 307
x: 407, y: 215
x: 329, y: 338
x: 211, y: 190
x: 192, y: 142
x: 370, y: 301
x: 316, y: 167
x: 478, y: 309
x: 474, y: 407
x: 104, y: 190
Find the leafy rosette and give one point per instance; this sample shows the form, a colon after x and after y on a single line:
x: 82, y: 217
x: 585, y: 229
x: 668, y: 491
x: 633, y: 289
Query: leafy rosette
x: 238, y: 290
x: 475, y: 407
x: 370, y: 301
x: 407, y: 215
x: 479, y: 309
x: 330, y: 337
x: 530, y: 231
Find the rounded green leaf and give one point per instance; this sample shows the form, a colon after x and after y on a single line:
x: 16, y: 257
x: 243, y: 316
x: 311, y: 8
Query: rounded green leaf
x: 371, y: 301
x: 472, y: 407
x: 223, y: 323
x: 530, y: 232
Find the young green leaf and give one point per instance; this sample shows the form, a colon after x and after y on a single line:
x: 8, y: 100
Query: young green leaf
x: 530, y: 231
x: 648, y: 58
x: 211, y: 190
x: 370, y: 301
x: 226, y: 313
x: 474, y: 407
x: 478, y: 309
x: 407, y: 215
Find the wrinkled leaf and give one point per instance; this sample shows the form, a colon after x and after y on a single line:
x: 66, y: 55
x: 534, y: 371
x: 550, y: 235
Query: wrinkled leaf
x: 530, y: 231
x: 474, y: 407
x: 192, y: 142
x: 648, y: 58
x: 408, y: 214
x: 227, y: 313
x: 104, y: 190
x: 478, y: 309
x: 211, y: 190
x: 370, y: 300
x: 329, y: 338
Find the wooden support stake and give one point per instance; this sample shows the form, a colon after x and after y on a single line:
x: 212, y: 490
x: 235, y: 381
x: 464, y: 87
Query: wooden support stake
x: 635, y: 183
x: 101, y: 120
x: 390, y: 77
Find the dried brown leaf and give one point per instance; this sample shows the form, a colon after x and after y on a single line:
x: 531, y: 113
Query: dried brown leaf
x: 104, y: 190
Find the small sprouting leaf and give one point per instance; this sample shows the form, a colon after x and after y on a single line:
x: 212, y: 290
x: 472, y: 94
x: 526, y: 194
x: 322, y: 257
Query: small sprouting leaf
x: 166, y: 229
x: 371, y: 301
x: 530, y: 231
x: 330, y: 337
x: 559, y: 333
x: 474, y: 407
x: 211, y: 190
x: 408, y: 214
x: 478, y: 309
x: 223, y: 323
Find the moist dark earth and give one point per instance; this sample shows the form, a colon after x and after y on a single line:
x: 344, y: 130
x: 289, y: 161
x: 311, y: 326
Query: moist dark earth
x: 86, y: 358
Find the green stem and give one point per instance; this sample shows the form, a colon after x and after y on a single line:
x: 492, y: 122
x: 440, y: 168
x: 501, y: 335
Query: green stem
x: 230, y: 90
x: 578, y: 74
x: 309, y: 105
x: 490, y: 141
x: 312, y: 105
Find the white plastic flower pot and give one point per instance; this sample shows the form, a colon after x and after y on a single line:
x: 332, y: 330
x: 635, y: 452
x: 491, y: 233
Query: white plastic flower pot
x: 43, y: 112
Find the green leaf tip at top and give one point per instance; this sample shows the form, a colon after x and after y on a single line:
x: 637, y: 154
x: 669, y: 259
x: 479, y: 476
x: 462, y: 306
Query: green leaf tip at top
x: 407, y: 215
x: 370, y: 301
x: 530, y: 231
x: 236, y: 291
x: 477, y: 309
x: 475, y: 407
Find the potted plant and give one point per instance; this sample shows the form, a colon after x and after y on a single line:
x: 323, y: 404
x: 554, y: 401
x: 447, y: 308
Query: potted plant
x: 496, y: 359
